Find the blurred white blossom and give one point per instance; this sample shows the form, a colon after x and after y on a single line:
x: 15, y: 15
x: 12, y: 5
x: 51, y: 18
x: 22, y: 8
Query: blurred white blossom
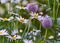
x: 51, y: 37
x: 25, y: 2
x: 3, y: 1
x: 28, y: 41
x: 15, y: 1
x: 14, y: 32
x: 6, y: 19
x: 3, y: 32
x: 59, y: 34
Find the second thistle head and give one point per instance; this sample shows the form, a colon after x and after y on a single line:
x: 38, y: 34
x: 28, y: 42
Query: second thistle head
x: 32, y: 7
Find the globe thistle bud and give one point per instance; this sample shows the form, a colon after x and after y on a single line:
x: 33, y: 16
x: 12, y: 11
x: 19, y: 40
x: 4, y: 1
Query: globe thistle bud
x: 32, y: 7
x: 47, y: 22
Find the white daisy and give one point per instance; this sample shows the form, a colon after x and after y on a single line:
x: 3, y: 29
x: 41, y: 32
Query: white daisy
x: 7, y: 19
x: 14, y: 37
x: 3, y: 32
x: 36, y: 16
x: 22, y: 20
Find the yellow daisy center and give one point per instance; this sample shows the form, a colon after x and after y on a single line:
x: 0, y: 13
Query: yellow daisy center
x: 22, y: 20
x: 5, y: 19
x: 0, y: 32
x: 13, y: 37
x: 35, y: 15
x: 22, y: 7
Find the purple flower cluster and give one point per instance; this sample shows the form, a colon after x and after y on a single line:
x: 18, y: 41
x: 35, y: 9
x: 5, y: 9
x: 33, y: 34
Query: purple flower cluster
x: 32, y: 7
x: 46, y: 21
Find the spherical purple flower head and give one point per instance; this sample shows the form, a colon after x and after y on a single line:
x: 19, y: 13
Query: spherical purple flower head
x: 47, y: 22
x: 32, y: 7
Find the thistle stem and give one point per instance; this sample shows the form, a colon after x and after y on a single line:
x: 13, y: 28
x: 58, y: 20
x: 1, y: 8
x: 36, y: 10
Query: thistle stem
x: 54, y: 11
x: 45, y: 35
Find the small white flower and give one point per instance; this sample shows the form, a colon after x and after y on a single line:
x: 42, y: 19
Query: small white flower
x: 14, y: 37
x: 58, y: 34
x: 51, y: 37
x: 14, y: 32
x: 3, y: 32
x: 22, y: 20
x: 21, y: 30
x: 28, y: 41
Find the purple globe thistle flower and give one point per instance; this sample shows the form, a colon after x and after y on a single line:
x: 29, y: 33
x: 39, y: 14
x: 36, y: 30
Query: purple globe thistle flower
x: 32, y: 7
x: 47, y: 22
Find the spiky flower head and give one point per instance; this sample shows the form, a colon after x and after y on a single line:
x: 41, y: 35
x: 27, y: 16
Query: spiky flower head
x: 47, y: 22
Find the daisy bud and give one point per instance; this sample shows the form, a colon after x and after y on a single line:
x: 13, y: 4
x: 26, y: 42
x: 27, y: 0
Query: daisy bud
x: 47, y: 22
x: 32, y: 7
